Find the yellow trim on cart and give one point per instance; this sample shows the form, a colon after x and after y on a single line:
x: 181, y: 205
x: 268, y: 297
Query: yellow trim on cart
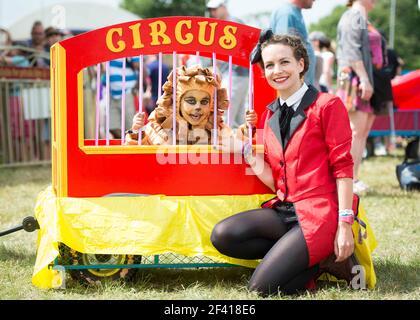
x: 81, y: 114
x: 53, y: 71
x: 155, y: 149
x: 59, y: 86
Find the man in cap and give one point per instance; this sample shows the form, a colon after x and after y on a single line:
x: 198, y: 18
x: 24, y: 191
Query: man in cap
x: 288, y: 19
x: 316, y: 38
x: 52, y: 36
x: 218, y: 10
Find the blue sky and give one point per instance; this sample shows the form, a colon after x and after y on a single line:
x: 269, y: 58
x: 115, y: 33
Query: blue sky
x: 10, y: 11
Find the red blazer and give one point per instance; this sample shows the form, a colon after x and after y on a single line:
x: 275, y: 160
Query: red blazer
x: 306, y: 165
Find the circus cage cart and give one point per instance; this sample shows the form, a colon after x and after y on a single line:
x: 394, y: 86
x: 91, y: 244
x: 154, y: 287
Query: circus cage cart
x: 112, y: 208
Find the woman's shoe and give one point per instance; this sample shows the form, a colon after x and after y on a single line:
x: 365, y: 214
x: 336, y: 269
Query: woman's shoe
x: 340, y: 270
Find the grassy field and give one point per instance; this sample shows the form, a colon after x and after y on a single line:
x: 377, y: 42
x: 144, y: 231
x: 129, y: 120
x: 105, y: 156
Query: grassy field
x: 393, y: 214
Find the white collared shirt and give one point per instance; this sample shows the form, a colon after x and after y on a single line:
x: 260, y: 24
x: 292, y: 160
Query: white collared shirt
x: 295, y: 99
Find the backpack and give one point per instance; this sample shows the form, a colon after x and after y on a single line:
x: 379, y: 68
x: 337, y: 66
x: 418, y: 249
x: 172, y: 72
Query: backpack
x: 408, y: 172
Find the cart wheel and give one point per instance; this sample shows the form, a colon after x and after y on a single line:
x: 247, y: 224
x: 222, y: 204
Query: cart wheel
x: 30, y: 224
x: 73, y: 257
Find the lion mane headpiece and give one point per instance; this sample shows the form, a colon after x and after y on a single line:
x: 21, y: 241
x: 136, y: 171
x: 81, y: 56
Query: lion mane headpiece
x: 191, y: 78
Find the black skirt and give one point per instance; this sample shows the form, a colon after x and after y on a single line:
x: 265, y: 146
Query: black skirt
x: 382, y: 94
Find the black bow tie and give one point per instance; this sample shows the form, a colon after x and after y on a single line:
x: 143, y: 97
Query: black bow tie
x: 285, y: 118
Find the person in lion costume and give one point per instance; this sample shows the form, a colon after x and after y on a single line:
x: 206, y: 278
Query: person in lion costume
x: 195, y: 94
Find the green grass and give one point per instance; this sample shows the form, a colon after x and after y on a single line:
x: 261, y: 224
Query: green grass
x: 393, y: 214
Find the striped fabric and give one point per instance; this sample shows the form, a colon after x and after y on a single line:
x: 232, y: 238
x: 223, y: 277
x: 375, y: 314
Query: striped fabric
x: 116, y: 71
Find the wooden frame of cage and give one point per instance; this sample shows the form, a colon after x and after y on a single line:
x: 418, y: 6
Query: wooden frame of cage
x: 80, y: 170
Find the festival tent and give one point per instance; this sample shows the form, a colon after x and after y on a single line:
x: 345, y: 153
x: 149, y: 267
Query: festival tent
x: 74, y: 16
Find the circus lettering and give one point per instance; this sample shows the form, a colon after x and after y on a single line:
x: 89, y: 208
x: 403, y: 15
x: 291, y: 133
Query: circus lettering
x: 159, y: 32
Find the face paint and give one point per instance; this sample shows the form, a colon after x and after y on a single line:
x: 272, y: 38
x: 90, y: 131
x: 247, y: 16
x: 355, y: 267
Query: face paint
x: 195, y: 107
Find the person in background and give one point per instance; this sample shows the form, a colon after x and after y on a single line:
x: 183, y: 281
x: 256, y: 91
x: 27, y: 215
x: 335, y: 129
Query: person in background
x: 357, y: 52
x: 328, y: 60
x: 131, y: 91
x: 37, y: 42
x: 153, y: 69
x: 315, y: 37
x: 218, y: 9
x: 15, y: 57
x: 21, y: 129
x: 52, y: 36
x: 393, y: 69
x: 12, y: 56
x: 5, y: 40
x: 288, y: 19
x: 395, y: 63
x: 383, y: 99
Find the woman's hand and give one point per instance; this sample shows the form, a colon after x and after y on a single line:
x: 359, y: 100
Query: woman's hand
x: 138, y: 121
x: 220, y: 115
x: 251, y: 118
x: 130, y: 141
x: 367, y: 89
x: 220, y: 121
x: 344, y: 242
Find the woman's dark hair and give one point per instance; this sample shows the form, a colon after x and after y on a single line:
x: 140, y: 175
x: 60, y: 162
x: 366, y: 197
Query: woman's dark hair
x: 350, y: 3
x: 325, y: 43
x: 295, y: 43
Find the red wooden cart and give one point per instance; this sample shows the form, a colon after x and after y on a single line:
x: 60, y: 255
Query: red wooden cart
x: 86, y: 172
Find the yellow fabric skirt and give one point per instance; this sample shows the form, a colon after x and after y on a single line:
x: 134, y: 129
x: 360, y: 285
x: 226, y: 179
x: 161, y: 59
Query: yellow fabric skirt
x: 151, y: 225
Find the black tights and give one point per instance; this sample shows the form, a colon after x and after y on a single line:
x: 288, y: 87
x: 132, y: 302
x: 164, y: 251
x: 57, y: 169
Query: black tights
x: 264, y: 234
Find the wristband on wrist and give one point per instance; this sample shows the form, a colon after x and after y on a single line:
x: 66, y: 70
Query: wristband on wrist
x: 346, y: 212
x: 348, y: 219
x: 346, y: 215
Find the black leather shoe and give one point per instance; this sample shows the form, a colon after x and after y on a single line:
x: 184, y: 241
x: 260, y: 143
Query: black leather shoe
x: 340, y: 270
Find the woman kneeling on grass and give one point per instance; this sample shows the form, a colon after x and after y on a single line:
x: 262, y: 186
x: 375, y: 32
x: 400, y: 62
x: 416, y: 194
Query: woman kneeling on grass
x: 309, y: 166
